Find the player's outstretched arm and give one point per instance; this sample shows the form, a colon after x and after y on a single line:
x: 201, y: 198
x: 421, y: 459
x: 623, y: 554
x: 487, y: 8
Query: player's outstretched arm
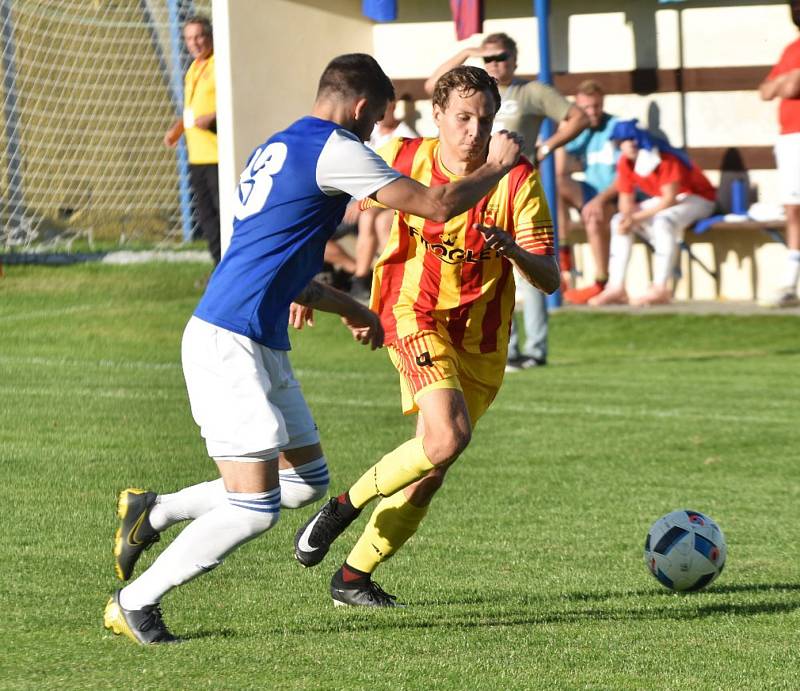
x: 363, y: 323
x: 441, y: 203
x: 538, y: 269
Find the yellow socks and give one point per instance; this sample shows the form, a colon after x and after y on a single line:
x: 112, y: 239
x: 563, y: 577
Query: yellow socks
x: 391, y: 524
x: 394, y: 471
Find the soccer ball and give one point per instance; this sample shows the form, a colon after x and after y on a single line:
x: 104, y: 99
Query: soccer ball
x: 685, y: 550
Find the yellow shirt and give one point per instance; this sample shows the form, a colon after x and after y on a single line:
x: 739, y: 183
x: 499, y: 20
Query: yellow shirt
x: 200, y: 98
x: 441, y: 276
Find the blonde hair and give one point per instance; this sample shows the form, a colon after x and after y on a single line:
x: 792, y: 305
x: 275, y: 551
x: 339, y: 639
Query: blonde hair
x: 590, y: 87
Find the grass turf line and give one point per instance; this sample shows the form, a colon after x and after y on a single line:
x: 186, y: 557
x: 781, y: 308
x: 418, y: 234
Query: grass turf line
x: 526, y: 574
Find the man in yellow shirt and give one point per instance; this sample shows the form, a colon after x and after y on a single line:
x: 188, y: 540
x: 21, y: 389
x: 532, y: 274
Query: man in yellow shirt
x: 445, y: 294
x: 199, y: 125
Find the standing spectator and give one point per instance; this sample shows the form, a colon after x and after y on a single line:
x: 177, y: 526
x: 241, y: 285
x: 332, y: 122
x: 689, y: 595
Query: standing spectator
x: 524, y: 105
x: 679, y: 195
x: 593, y: 153
x: 199, y: 125
x: 784, y: 82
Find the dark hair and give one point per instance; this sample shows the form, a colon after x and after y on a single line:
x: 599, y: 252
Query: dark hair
x: 508, y: 43
x: 203, y: 21
x: 466, y: 80
x: 356, y: 75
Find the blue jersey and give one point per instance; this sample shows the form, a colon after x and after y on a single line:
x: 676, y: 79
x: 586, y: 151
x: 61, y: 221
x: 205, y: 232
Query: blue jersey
x: 291, y: 196
x: 597, y: 153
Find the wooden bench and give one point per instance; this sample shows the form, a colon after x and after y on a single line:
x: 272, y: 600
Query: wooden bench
x: 738, y: 260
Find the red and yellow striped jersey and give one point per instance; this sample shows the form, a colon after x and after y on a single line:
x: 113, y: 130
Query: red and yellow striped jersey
x: 441, y: 276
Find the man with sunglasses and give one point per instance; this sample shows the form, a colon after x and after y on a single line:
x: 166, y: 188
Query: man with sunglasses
x: 524, y: 106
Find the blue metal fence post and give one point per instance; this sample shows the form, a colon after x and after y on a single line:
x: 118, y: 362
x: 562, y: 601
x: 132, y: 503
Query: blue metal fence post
x: 14, y: 198
x: 548, y: 166
x: 176, y: 82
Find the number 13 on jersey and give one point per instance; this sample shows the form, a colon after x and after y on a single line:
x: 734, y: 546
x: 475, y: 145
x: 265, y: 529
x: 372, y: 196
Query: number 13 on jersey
x: 255, y: 183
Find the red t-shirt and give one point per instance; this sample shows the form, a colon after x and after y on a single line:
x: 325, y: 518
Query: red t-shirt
x: 789, y: 110
x: 690, y: 180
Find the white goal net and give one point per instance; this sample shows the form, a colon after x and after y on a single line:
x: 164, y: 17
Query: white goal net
x: 88, y: 88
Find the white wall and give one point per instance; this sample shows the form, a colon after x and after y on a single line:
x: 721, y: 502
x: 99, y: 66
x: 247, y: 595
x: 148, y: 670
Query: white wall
x: 269, y: 55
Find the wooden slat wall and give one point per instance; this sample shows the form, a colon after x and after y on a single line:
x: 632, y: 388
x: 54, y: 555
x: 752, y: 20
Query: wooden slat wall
x: 650, y: 81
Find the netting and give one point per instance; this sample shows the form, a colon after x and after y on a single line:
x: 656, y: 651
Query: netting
x: 88, y: 89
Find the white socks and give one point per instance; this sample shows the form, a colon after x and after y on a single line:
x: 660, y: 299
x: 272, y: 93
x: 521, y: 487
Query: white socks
x: 203, y: 544
x: 665, y: 236
x: 792, y: 269
x: 300, y: 486
x: 187, y: 504
x: 304, y: 484
x: 619, y: 256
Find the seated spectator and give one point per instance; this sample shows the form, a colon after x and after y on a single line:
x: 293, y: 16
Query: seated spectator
x: 593, y: 153
x: 374, y: 224
x: 679, y: 194
x: 394, y: 123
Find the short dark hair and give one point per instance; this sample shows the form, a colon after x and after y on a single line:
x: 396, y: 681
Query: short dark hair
x: 466, y: 80
x: 508, y: 43
x: 203, y: 21
x: 356, y: 75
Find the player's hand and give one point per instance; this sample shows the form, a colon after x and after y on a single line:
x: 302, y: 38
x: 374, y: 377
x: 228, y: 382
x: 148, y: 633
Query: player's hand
x: 365, y: 327
x: 497, y: 239
x: 504, y: 149
x: 483, y: 52
x: 300, y: 316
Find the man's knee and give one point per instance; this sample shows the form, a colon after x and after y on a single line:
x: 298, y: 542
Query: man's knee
x: 443, y: 446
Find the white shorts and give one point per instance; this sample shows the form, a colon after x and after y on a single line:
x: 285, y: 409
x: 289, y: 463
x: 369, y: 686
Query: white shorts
x: 243, y: 395
x: 787, y: 155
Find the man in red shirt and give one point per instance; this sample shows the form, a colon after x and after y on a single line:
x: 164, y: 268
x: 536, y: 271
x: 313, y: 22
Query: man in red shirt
x: 784, y: 82
x: 679, y: 194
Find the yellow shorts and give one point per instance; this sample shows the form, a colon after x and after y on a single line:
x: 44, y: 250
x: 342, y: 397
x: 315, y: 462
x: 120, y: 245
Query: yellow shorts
x: 426, y: 361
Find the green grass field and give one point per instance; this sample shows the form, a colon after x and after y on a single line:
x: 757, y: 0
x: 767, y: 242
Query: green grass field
x: 528, y: 572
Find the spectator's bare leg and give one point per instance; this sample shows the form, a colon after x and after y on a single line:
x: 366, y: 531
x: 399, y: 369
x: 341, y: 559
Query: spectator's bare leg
x: 598, y: 233
x: 336, y: 255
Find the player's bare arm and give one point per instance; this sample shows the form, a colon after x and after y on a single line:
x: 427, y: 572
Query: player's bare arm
x: 570, y: 127
x: 458, y: 59
x: 668, y: 198
x: 173, y: 134
x: 539, y: 270
x: 785, y: 86
x: 362, y: 322
x: 442, y: 203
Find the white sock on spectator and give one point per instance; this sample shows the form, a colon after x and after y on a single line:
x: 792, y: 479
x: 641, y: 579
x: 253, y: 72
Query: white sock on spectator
x: 187, y: 504
x: 792, y: 269
x: 203, y: 544
x: 665, y: 245
x: 620, y: 254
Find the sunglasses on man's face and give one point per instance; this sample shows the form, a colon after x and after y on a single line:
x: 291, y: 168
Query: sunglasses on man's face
x: 500, y: 57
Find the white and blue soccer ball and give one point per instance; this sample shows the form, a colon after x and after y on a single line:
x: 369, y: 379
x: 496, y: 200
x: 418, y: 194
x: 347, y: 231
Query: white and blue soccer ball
x: 685, y: 550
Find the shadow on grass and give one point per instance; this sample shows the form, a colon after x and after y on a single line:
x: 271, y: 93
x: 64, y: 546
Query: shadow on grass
x: 461, y: 612
x: 209, y: 633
